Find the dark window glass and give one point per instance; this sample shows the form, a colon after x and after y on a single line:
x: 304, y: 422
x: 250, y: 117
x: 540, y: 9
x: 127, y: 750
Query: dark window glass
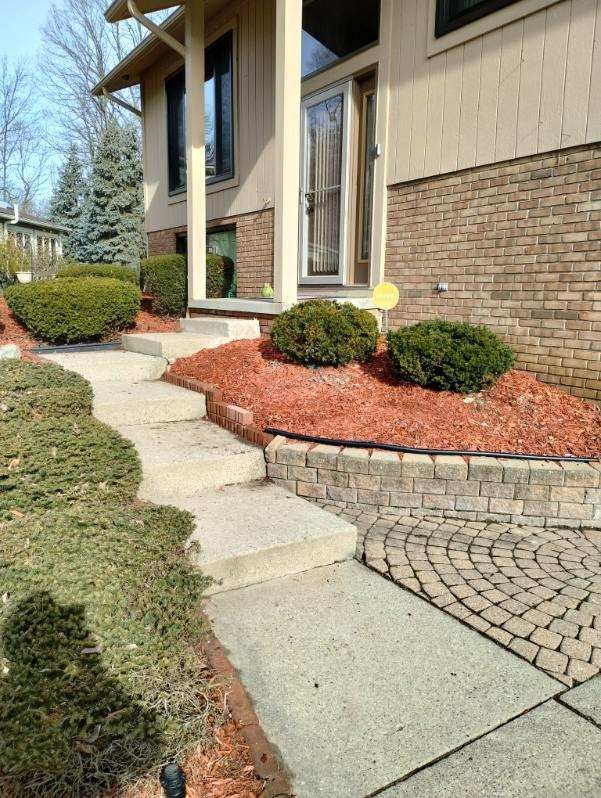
x: 453, y: 14
x: 176, y: 131
x: 219, y: 117
x: 331, y: 31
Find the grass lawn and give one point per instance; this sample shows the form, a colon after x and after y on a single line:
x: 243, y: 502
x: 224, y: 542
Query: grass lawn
x: 99, y: 678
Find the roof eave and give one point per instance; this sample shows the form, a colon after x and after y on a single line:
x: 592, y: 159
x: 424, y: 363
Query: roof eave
x: 118, y: 10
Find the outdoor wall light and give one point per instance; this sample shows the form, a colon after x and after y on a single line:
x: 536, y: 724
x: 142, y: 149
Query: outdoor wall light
x: 441, y: 287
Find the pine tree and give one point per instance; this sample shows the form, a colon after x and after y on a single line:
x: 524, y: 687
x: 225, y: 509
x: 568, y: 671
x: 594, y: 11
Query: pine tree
x: 110, y: 228
x: 67, y: 199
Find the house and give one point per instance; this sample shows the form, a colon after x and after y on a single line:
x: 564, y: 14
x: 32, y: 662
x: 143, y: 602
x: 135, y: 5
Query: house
x: 451, y: 147
x: 40, y: 238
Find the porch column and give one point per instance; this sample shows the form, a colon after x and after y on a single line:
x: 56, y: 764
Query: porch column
x: 289, y: 16
x: 195, y: 149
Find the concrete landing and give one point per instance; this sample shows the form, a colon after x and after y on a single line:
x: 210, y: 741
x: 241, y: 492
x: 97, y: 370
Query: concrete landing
x: 358, y: 683
x: 170, y: 346
x: 118, y: 403
x: 183, y: 458
x: 548, y: 753
x: 222, y: 327
x: 255, y: 532
x: 112, y: 366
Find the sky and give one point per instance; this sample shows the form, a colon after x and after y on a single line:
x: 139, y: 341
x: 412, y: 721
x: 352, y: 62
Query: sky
x: 20, y: 29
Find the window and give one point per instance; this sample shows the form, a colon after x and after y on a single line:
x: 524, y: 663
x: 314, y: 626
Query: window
x: 219, y: 117
x: 332, y: 31
x: 453, y: 14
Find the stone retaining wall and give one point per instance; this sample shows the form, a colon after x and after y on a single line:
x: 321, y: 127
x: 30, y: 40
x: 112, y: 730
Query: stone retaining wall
x: 476, y: 488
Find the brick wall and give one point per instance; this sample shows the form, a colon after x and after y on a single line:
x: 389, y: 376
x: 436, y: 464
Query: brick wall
x: 519, y: 244
x: 254, y: 243
x: 163, y: 242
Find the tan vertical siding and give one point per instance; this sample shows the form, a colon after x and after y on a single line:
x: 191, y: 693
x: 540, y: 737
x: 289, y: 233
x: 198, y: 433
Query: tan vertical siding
x: 253, y: 22
x: 530, y: 86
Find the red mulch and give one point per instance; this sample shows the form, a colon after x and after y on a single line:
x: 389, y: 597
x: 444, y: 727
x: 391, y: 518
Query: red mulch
x: 225, y: 771
x: 364, y: 401
x: 16, y: 333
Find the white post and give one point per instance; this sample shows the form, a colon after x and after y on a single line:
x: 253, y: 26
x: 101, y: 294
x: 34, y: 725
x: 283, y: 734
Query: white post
x: 196, y: 180
x: 289, y: 17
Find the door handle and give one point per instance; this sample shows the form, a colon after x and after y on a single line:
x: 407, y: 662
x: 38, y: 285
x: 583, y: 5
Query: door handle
x: 309, y: 202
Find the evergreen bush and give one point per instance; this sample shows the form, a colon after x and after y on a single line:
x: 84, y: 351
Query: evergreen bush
x: 165, y: 278
x: 220, y: 276
x: 449, y: 356
x: 29, y: 391
x: 76, y: 309
x: 324, y: 333
x: 112, y: 270
x: 99, y: 677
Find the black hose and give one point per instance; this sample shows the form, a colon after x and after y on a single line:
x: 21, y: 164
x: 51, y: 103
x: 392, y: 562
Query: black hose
x: 395, y: 447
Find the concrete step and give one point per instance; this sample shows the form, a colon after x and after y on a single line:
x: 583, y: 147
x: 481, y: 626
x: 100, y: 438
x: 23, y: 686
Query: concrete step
x: 358, y: 683
x: 119, y: 403
x: 255, y: 532
x: 112, y: 366
x: 170, y: 346
x: 222, y: 327
x: 184, y: 458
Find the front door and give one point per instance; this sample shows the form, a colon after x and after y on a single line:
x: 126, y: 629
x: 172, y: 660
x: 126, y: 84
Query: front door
x: 324, y: 185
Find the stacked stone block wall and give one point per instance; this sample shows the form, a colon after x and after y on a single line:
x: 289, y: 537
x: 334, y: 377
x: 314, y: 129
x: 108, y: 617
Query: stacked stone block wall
x: 519, y: 244
x: 539, y: 493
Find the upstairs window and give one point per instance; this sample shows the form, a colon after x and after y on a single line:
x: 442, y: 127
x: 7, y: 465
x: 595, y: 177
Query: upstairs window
x: 219, y: 117
x: 453, y: 14
x: 332, y: 31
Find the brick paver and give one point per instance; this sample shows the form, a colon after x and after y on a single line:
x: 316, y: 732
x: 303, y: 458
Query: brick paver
x: 534, y: 590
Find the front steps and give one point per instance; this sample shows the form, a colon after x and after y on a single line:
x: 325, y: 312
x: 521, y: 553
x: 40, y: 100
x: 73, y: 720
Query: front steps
x: 112, y: 366
x: 257, y: 531
x: 200, y: 332
x: 183, y: 458
x: 120, y: 403
x: 249, y: 530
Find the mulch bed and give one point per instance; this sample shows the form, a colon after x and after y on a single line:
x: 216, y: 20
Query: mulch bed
x: 364, y: 401
x: 12, y: 332
x: 225, y: 771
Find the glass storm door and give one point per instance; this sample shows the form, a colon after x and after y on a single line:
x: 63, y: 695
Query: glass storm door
x: 324, y: 190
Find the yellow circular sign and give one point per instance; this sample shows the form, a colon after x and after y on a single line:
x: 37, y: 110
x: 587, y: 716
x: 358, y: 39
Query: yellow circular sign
x: 386, y: 296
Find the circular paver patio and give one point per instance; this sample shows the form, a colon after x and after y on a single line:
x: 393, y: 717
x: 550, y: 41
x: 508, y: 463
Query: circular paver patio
x: 535, y: 591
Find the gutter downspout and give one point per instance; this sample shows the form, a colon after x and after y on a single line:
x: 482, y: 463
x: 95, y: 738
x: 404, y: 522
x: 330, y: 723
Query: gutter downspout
x: 17, y: 217
x: 118, y: 101
x: 161, y: 34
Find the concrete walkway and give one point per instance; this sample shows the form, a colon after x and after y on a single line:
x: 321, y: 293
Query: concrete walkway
x: 249, y: 530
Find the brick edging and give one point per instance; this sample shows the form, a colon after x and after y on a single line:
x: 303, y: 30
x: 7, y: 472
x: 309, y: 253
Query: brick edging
x: 233, y: 418
x: 265, y: 761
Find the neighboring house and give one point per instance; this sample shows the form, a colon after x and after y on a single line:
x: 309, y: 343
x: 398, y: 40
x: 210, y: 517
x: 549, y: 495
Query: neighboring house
x: 38, y: 237
x: 421, y: 142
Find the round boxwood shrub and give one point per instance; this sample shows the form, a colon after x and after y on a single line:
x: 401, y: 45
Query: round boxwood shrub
x: 73, y: 310
x: 220, y: 276
x: 449, y: 356
x: 114, y: 270
x: 324, y: 333
x: 164, y: 277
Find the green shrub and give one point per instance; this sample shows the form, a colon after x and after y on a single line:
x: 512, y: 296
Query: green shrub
x: 76, y: 309
x: 220, y: 276
x: 165, y: 278
x: 115, y: 271
x: 99, y: 681
x: 449, y: 356
x: 58, y: 461
x: 324, y: 333
x: 30, y: 391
